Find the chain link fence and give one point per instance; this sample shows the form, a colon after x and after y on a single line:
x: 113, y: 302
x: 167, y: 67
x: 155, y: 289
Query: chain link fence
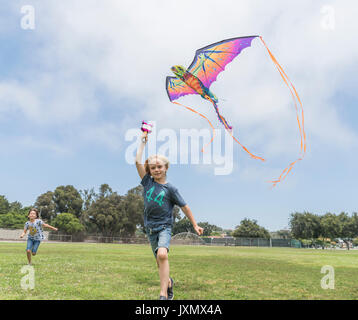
x: 253, y: 242
x: 185, y: 238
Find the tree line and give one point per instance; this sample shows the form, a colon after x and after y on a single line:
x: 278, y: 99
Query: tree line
x: 109, y: 214
x: 82, y: 212
x: 323, y: 230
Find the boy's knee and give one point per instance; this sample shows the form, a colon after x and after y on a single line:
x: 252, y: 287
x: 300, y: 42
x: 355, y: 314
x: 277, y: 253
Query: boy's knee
x: 28, y: 251
x: 162, y: 254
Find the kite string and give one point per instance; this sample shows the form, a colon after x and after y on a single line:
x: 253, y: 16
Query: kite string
x: 300, y: 125
x: 225, y: 124
x: 229, y: 130
x: 192, y: 110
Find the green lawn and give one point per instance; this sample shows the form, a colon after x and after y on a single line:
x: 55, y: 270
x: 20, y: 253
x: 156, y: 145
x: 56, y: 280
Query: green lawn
x: 115, y: 271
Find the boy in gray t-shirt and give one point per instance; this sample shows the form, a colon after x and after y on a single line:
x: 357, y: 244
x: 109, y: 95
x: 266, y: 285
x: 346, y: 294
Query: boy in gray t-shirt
x: 159, y: 200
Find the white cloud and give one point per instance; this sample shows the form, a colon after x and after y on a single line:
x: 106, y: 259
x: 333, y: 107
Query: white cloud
x: 27, y: 143
x: 15, y: 97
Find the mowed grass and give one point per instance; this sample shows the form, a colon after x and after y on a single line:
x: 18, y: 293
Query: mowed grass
x: 125, y: 272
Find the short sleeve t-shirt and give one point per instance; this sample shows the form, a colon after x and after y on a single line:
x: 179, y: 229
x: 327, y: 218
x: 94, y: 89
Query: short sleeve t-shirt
x: 35, y: 229
x: 159, y: 201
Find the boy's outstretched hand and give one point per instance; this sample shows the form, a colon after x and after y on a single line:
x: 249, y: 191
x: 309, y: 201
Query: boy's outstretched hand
x: 198, y: 230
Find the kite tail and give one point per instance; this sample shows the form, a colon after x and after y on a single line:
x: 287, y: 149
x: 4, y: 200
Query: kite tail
x: 202, y: 150
x: 229, y: 129
x: 220, y: 117
x: 299, y: 112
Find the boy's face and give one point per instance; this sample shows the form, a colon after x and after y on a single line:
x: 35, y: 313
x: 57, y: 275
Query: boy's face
x: 32, y: 215
x: 157, y: 169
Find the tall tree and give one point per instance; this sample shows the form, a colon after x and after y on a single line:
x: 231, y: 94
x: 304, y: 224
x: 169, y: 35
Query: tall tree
x: 46, y: 206
x: 354, y: 225
x: 68, y: 199
x: 330, y: 226
x: 4, y: 205
x: 346, y: 231
x: 133, y: 206
x: 107, y: 212
x: 250, y: 229
x: 305, y: 225
x: 88, y: 196
x: 183, y: 225
x: 15, y: 206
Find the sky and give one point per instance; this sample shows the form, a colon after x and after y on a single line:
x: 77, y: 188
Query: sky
x: 77, y: 79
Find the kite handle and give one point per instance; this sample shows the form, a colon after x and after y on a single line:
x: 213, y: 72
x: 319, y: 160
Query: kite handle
x: 146, y: 127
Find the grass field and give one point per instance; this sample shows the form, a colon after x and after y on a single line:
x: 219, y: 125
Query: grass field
x: 126, y: 272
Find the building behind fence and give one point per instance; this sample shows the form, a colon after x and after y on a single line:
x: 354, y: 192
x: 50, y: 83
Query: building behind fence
x: 191, y: 239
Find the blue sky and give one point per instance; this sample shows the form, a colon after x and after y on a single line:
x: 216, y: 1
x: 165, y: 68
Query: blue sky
x: 91, y: 71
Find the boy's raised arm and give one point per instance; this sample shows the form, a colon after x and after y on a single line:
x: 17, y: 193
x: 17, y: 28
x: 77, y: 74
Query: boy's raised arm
x: 138, y: 159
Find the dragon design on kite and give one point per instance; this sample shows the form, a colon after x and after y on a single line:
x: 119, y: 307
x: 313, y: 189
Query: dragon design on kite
x: 208, y: 62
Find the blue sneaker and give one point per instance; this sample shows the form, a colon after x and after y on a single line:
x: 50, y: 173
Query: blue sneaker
x: 163, y: 298
x: 170, y: 291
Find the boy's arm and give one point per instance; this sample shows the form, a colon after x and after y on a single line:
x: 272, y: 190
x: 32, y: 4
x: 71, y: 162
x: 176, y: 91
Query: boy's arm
x: 138, y: 159
x: 50, y: 227
x: 189, y: 214
x: 25, y: 230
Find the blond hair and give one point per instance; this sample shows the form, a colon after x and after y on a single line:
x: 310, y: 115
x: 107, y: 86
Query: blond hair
x: 152, y: 159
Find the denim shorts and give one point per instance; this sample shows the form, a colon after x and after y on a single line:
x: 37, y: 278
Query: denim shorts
x: 32, y: 245
x: 159, y: 237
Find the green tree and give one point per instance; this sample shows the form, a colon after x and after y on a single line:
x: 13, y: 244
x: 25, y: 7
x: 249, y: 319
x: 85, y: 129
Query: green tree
x: 88, y: 196
x: 354, y: 225
x: 250, y: 229
x: 209, y: 229
x: 15, y: 206
x: 183, y: 225
x: 331, y: 227
x: 132, y: 212
x: 4, y: 205
x: 16, y: 217
x: 46, y: 206
x: 13, y: 220
x: 305, y: 225
x: 347, y: 232
x: 68, y: 199
x: 68, y: 223
x: 107, y: 212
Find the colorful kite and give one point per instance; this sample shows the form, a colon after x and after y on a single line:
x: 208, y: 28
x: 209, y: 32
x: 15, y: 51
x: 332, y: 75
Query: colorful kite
x: 208, y: 62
